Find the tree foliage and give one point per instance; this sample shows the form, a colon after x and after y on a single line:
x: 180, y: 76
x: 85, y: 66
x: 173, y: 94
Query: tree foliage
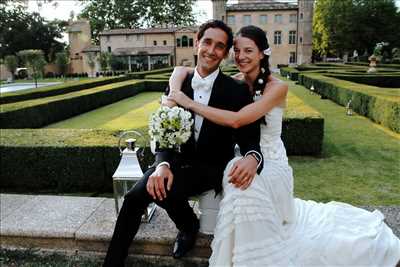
x: 347, y: 25
x: 21, y: 30
x: 62, y: 62
x: 11, y: 63
x: 105, y: 60
x: 91, y: 61
x: 34, y: 60
x: 113, y: 14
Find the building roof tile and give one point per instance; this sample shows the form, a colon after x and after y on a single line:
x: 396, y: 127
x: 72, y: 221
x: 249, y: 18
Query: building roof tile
x: 149, y: 30
x: 261, y: 6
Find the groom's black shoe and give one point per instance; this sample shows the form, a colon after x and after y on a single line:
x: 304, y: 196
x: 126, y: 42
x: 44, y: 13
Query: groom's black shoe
x: 183, y: 243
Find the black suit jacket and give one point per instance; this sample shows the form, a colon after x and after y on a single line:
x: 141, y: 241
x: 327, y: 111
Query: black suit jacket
x: 215, y: 145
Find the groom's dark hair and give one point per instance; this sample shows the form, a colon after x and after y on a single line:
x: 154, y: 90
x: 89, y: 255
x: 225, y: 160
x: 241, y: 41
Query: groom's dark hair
x: 216, y: 24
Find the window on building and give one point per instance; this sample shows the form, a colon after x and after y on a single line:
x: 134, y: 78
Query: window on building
x: 165, y: 42
x: 246, y: 19
x: 191, y: 42
x: 231, y: 20
x: 278, y: 18
x: 292, y: 37
x: 185, y: 41
x: 109, y: 49
x: 178, y: 42
x: 263, y: 19
x: 292, y: 18
x: 277, y: 37
x: 292, y: 57
x: 108, y: 38
x: 301, y: 15
x: 154, y: 42
x: 301, y: 40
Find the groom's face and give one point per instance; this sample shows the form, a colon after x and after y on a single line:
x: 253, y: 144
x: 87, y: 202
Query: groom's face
x: 211, y: 50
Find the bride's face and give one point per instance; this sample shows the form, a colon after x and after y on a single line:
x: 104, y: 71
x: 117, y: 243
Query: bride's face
x: 247, y: 55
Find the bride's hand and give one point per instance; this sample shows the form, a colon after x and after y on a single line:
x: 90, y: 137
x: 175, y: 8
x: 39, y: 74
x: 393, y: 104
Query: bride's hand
x: 180, y: 98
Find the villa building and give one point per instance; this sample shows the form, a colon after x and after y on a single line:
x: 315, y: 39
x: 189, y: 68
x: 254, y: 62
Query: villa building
x: 288, y: 26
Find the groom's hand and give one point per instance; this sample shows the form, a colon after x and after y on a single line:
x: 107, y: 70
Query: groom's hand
x: 243, y: 172
x: 156, y: 182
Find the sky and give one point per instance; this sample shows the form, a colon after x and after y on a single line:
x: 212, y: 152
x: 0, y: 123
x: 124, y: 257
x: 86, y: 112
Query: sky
x: 64, y: 8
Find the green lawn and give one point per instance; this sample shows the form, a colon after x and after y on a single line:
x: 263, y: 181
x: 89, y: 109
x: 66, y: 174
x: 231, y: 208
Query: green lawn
x: 130, y: 113
x: 360, y: 163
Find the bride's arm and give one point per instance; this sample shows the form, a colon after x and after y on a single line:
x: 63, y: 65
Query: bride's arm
x: 274, y: 94
x: 175, y: 82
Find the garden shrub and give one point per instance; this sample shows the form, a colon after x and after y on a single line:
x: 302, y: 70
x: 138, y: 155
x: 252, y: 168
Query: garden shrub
x: 291, y: 72
x: 59, y: 89
x: 385, y: 79
x: 81, y: 160
x: 142, y: 74
x: 40, y: 112
x: 380, y: 105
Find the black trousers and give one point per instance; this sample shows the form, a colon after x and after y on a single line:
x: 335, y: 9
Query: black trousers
x: 189, y: 180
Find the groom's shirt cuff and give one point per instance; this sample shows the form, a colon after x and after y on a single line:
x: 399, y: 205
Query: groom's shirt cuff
x: 163, y: 163
x: 256, y: 155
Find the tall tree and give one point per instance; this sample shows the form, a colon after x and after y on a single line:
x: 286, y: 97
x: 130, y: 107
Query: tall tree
x: 62, y: 62
x: 11, y: 64
x: 34, y: 59
x: 347, y: 25
x: 112, y: 14
x: 21, y: 30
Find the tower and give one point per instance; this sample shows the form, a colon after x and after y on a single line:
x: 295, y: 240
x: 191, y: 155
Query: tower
x: 304, y: 38
x: 219, y: 9
x: 79, y: 38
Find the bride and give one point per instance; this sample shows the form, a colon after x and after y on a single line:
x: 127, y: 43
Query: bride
x: 260, y: 223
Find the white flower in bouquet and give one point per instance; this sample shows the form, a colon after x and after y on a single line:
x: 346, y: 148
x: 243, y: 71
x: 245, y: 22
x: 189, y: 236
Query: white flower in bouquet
x: 170, y: 127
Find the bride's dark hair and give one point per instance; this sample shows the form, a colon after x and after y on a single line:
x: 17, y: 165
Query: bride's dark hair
x: 259, y: 37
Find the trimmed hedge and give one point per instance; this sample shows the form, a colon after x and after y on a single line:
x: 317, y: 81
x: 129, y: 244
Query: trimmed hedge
x: 59, y: 89
x: 393, y: 66
x: 143, y: 74
x: 65, y: 160
x: 59, y: 160
x: 291, y: 72
x: 380, y: 105
x: 302, y: 128
x: 40, y: 112
x: 381, y: 80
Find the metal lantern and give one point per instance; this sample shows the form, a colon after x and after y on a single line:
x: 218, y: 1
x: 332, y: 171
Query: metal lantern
x: 349, y: 109
x: 128, y: 173
x: 312, y: 89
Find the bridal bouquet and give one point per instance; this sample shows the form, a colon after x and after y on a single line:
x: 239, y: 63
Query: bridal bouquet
x: 170, y: 127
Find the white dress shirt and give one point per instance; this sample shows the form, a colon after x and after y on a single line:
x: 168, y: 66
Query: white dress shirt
x: 202, y: 88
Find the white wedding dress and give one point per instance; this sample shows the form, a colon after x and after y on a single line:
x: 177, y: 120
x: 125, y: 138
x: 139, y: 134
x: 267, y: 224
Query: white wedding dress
x: 265, y: 225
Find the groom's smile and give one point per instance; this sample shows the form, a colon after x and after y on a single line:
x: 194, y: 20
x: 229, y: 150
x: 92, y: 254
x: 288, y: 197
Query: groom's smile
x: 211, y: 50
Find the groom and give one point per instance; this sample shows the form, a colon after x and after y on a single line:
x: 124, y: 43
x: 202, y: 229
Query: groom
x: 201, y: 163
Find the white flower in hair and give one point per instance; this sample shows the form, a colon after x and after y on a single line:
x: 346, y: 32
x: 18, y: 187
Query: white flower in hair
x: 267, y: 51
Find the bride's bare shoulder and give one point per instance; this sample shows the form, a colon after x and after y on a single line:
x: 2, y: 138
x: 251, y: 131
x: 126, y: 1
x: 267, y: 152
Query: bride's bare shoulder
x: 238, y: 76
